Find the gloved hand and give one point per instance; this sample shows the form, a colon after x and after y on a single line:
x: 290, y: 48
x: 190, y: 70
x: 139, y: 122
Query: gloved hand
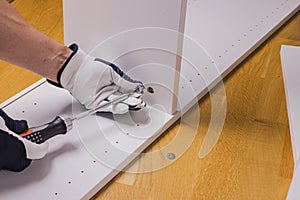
x: 16, y: 152
x: 92, y: 81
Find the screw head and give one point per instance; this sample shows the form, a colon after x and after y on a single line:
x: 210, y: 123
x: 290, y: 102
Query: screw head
x: 171, y: 156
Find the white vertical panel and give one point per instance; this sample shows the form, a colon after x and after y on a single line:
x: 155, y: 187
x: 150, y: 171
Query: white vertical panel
x: 294, y: 192
x: 290, y: 59
x: 114, y: 30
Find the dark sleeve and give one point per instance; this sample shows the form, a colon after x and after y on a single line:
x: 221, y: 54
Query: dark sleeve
x: 16, y: 126
x: 12, y: 153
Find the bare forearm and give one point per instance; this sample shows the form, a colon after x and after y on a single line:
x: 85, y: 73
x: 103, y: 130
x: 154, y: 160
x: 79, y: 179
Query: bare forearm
x: 23, y: 45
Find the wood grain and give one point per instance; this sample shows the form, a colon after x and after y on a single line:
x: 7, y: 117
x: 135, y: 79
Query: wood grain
x: 253, y: 158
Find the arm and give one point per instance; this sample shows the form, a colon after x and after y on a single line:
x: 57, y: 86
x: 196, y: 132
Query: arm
x: 25, y: 46
x: 70, y: 67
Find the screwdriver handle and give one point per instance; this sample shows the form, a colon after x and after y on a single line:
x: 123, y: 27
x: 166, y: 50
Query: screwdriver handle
x: 60, y: 125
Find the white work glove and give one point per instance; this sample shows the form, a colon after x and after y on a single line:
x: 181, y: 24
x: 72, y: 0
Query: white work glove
x: 16, y: 152
x: 33, y: 151
x: 92, y: 81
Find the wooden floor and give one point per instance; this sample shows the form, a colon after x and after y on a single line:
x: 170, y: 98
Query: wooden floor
x: 253, y: 158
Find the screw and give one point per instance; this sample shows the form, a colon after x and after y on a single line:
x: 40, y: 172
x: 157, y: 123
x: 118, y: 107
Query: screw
x: 171, y: 156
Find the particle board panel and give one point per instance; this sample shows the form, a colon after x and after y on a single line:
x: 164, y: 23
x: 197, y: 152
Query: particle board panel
x: 117, y: 30
x: 219, y: 35
x: 290, y: 59
x: 294, y: 191
x: 91, y: 154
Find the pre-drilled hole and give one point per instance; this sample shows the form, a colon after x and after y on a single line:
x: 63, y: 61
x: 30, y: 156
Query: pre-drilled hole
x: 55, y: 193
x: 69, y: 182
x: 82, y: 171
x: 117, y: 142
x: 105, y: 151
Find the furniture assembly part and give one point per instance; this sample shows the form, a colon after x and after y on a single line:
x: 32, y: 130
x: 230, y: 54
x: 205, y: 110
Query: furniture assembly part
x: 294, y: 187
x: 290, y: 68
x: 119, y: 31
x: 93, y: 152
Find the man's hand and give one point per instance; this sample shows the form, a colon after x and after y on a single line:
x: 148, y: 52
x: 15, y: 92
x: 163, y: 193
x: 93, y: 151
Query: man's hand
x: 93, y: 81
x: 16, y: 152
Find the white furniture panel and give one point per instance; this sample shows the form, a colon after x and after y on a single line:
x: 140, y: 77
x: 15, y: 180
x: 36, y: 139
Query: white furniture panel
x: 228, y: 31
x: 118, y: 30
x: 294, y: 192
x: 91, y: 154
x: 290, y: 59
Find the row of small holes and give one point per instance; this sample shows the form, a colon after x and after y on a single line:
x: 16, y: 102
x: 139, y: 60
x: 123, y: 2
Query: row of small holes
x: 192, y: 80
x: 245, y: 35
x: 251, y: 30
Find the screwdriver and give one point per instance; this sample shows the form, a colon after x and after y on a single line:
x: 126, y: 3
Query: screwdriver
x: 63, y: 123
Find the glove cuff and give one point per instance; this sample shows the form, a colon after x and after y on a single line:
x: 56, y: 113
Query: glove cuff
x: 74, y: 47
